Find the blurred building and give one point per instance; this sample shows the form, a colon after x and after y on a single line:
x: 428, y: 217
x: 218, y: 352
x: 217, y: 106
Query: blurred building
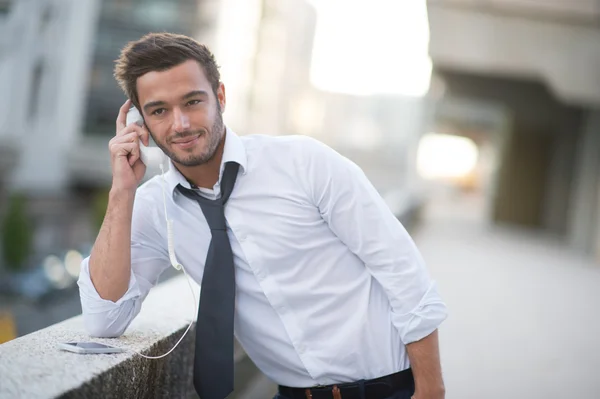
x: 63, y: 101
x: 59, y: 101
x: 265, y: 48
x: 360, y: 96
x: 523, y: 75
x: 518, y: 77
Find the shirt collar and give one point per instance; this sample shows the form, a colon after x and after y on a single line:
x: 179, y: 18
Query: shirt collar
x: 233, y: 151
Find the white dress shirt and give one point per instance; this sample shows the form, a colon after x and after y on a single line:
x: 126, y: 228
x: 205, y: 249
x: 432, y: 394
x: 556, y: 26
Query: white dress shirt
x: 329, y: 285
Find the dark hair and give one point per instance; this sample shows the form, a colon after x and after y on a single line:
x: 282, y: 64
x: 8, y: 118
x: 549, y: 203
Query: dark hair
x: 159, y: 52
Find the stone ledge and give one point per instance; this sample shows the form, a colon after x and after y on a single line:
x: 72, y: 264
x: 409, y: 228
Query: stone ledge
x: 33, y: 367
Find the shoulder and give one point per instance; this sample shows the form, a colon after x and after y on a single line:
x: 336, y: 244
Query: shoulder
x: 147, y: 220
x: 149, y: 191
x: 148, y: 199
x: 290, y: 147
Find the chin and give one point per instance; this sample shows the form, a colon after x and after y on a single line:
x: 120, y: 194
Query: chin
x: 194, y: 159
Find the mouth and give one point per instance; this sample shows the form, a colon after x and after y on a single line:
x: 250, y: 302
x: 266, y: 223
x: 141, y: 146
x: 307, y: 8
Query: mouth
x: 186, y: 142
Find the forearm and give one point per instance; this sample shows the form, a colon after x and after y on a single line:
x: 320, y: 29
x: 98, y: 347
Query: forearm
x: 424, y: 356
x: 110, y: 259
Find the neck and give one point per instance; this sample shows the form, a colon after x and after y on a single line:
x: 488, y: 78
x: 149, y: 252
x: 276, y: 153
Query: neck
x: 205, y: 175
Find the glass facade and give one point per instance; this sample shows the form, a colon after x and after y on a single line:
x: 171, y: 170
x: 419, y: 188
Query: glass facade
x: 121, y: 21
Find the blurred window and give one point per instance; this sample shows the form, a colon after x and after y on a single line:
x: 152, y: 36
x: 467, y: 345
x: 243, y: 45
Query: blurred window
x: 36, y: 81
x: 122, y: 21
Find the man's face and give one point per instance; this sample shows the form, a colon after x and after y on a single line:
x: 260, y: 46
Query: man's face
x: 182, y: 113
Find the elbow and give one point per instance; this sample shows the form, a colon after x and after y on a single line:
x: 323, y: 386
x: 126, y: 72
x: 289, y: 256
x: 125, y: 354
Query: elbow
x: 96, y: 332
x: 104, y: 318
x: 422, y: 322
x: 109, y: 323
x: 101, y: 327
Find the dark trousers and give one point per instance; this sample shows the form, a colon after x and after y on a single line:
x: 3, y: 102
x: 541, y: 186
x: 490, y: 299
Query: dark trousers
x: 407, y: 394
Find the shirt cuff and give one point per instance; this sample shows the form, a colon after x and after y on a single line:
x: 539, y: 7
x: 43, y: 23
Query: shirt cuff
x: 424, y: 319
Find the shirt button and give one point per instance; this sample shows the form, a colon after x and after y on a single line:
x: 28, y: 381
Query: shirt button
x: 301, y: 348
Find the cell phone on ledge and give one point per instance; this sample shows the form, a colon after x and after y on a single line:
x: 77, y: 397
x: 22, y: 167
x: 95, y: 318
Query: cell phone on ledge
x: 89, y: 347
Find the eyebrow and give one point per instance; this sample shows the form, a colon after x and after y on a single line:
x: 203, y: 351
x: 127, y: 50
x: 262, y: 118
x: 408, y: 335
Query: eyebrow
x: 152, y: 104
x: 193, y: 93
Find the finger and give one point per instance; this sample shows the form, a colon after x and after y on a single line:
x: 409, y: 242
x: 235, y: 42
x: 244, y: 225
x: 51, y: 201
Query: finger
x: 134, y: 156
x: 145, y: 135
x: 124, y: 149
x: 131, y: 137
x: 142, y: 134
x: 122, y: 117
x: 129, y: 133
x: 130, y: 150
x: 138, y: 164
x: 134, y: 153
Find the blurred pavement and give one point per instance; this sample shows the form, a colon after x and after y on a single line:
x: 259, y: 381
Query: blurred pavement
x: 524, y: 310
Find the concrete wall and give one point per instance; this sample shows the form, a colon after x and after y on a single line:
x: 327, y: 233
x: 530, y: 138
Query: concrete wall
x: 523, y: 177
x: 566, y: 11
x: 550, y: 48
x: 542, y: 60
x: 561, y: 174
x: 585, y: 210
x: 34, y: 367
x: 597, y: 233
x: 531, y: 110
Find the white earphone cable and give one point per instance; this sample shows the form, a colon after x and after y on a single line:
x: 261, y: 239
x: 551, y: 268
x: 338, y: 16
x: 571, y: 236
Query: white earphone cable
x: 175, y: 263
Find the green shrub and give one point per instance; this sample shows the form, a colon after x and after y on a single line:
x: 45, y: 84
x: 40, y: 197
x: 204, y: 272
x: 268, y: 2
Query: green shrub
x: 16, y: 234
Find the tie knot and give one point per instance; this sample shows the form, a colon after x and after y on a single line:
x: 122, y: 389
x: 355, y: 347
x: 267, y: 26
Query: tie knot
x: 214, y: 210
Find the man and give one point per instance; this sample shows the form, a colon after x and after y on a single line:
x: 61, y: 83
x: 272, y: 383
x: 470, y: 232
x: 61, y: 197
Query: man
x: 322, y: 285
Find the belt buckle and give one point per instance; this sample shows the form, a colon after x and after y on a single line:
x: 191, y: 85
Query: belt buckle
x: 335, y: 391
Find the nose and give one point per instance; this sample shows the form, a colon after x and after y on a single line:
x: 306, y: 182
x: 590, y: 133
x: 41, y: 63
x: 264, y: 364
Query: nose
x: 181, y: 121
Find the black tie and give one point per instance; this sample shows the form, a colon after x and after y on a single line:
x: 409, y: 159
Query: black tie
x: 213, y: 359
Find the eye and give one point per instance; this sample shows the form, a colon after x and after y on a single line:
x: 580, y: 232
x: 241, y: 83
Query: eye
x: 158, y: 111
x: 193, y: 102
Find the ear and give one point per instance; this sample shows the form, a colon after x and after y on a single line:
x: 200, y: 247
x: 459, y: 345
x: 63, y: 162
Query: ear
x: 221, y: 97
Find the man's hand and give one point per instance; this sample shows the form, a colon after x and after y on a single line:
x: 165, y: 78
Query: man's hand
x: 127, y: 166
x: 424, y: 358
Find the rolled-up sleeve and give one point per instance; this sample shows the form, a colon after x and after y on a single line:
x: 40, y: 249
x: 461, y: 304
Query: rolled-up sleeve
x: 359, y: 216
x: 102, y: 317
x: 149, y: 258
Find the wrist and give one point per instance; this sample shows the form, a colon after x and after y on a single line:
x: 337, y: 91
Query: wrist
x: 430, y: 391
x: 121, y: 193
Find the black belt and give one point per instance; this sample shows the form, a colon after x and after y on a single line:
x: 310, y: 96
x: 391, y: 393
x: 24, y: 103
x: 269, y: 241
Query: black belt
x: 378, y: 388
